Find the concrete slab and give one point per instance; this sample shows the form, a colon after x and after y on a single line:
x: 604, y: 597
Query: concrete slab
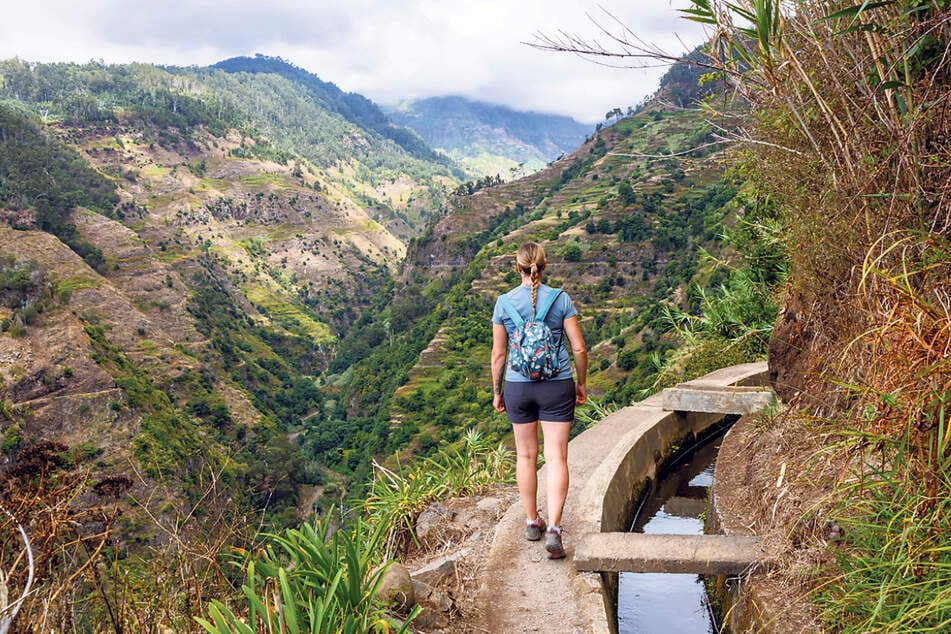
x: 693, y: 554
x: 717, y: 399
x: 681, y: 506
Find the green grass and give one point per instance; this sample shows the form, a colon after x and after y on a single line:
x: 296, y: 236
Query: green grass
x: 368, y: 226
x: 289, y: 316
x: 76, y: 283
x: 148, y: 346
x: 398, y: 495
x: 312, y: 580
x: 155, y: 171
x: 260, y: 180
x: 251, y: 181
x: 893, y: 567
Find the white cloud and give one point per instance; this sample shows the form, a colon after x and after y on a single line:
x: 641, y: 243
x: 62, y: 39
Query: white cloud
x: 387, y: 50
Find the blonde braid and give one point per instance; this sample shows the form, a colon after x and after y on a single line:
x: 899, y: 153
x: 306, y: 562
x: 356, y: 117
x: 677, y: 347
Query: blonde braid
x: 531, y: 259
x: 536, y: 282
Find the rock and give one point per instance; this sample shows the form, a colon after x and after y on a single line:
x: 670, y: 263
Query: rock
x: 429, y: 620
x: 437, y: 570
x: 466, y: 519
x: 396, y: 588
x: 422, y: 590
x: 484, y: 512
x: 490, y: 505
x: 831, y: 530
x: 431, y: 597
x: 432, y: 522
x: 436, y: 607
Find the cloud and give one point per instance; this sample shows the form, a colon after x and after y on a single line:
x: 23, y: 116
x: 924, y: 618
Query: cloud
x: 387, y: 50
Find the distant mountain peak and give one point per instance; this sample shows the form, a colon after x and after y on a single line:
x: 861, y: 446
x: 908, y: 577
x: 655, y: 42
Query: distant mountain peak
x: 353, y: 106
x: 489, y: 138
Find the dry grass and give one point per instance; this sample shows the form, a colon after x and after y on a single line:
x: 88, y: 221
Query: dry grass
x: 776, y: 479
x: 849, y: 122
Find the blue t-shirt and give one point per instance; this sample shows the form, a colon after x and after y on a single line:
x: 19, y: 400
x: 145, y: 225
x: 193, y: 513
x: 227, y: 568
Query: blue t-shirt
x: 562, y: 309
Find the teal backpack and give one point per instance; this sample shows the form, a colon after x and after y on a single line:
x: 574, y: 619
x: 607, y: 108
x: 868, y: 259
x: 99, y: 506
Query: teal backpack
x: 533, y: 350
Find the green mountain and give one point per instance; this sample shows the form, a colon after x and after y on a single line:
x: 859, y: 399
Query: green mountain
x: 182, y: 250
x: 238, y: 266
x: 487, y: 139
x: 352, y: 106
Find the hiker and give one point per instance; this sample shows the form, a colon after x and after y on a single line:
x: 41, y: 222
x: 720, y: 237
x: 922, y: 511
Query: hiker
x: 537, y: 396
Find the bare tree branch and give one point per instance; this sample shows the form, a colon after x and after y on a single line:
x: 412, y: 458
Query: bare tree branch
x: 625, y: 45
x: 9, y: 611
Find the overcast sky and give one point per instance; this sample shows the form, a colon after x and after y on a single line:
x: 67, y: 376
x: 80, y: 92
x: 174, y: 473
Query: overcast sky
x: 387, y: 50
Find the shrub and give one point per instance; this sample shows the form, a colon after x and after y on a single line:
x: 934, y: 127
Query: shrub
x: 310, y: 579
x: 571, y: 252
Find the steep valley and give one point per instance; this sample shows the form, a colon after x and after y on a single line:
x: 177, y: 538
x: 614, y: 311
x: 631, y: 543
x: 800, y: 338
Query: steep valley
x: 623, y: 237
x: 278, y: 311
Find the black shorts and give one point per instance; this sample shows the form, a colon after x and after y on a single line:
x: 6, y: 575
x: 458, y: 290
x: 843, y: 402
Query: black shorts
x: 530, y: 401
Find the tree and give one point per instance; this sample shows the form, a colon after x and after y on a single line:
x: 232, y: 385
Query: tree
x: 571, y: 252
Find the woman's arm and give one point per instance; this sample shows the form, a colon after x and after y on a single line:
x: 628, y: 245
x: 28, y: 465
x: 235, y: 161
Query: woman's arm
x: 500, y: 343
x: 580, y: 354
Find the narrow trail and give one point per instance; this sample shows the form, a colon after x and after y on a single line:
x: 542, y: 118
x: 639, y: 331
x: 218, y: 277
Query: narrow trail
x: 528, y: 592
x: 524, y: 591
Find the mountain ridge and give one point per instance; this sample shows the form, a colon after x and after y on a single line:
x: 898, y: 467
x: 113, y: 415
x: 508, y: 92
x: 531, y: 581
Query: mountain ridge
x: 353, y: 106
x: 490, y: 138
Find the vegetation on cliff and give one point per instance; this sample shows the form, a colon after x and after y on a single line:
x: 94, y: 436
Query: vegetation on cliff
x: 847, y: 131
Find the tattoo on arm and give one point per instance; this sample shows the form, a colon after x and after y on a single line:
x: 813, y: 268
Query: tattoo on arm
x: 499, y: 380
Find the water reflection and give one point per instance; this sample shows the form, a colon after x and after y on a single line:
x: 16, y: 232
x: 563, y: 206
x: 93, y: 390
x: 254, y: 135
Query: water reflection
x: 656, y: 603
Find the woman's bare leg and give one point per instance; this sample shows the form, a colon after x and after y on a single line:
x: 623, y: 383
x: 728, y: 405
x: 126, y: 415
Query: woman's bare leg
x: 556, y: 468
x: 526, y: 464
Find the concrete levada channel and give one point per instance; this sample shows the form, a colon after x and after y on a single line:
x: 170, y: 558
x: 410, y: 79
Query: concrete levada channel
x: 659, y: 603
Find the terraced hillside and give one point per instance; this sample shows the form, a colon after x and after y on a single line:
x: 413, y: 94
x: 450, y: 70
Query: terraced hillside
x: 247, y: 285
x: 178, y: 321
x: 625, y: 221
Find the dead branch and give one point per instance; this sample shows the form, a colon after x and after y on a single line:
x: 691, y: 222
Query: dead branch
x: 8, y: 611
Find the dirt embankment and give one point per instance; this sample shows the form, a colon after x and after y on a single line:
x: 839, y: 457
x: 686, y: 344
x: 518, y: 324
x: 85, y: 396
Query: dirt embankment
x: 770, y: 483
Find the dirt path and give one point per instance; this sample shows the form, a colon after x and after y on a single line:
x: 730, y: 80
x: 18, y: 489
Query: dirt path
x: 523, y: 590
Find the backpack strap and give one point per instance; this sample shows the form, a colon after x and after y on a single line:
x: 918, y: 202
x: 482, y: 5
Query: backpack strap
x: 543, y: 311
x: 510, y: 310
x: 540, y: 314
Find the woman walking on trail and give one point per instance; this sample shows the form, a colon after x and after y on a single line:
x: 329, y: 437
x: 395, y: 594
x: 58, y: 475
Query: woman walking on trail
x: 528, y: 401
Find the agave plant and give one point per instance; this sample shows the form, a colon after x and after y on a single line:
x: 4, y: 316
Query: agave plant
x: 313, y: 579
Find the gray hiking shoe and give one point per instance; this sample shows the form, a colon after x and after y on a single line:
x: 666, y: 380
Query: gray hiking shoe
x: 534, y: 528
x: 553, y: 543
